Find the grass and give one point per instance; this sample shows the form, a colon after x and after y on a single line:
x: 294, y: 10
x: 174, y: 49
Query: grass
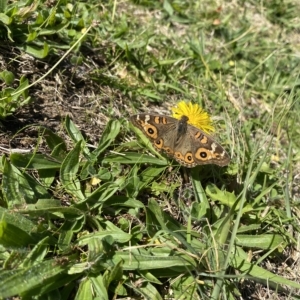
x: 91, y: 211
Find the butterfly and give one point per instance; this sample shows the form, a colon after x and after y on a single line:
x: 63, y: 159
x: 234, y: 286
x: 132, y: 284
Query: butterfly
x: 185, y: 143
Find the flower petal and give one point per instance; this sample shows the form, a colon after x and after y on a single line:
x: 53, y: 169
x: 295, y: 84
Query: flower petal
x: 197, y: 116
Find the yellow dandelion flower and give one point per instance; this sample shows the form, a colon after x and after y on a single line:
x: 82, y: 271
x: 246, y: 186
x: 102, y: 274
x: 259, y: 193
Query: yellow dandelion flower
x: 197, y: 116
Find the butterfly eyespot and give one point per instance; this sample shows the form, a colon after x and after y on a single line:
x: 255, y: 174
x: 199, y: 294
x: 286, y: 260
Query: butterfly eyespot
x: 158, y: 144
x: 150, y: 131
x: 203, y: 154
x: 188, y: 158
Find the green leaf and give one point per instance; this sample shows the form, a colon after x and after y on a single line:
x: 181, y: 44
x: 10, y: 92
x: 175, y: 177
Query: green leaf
x: 11, y: 177
x: 99, y: 196
x: 109, y: 134
x: 99, y: 287
x: 17, y: 220
x: 24, y: 185
x: 185, y: 287
x: 122, y: 201
x: 37, y: 254
x: 262, y: 241
x: 118, y: 236
x: 37, y: 52
x: 47, y: 177
x: 7, y: 76
x: 85, y: 290
x: 134, y: 261
x: 34, y: 161
x: 147, y: 290
x: 159, y: 219
x: 261, y: 275
x: 8, y: 234
x: 22, y: 280
x: 134, y: 158
x: 115, y: 274
x: 55, y: 143
x: 4, y: 18
x: 225, y: 198
x: 75, y: 134
x: 47, y: 203
x: 68, y: 173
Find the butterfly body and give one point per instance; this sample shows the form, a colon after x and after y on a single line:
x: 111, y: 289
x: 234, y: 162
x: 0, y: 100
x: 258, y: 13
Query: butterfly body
x: 185, y: 143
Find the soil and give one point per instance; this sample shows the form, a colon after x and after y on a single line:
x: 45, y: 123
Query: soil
x: 68, y: 90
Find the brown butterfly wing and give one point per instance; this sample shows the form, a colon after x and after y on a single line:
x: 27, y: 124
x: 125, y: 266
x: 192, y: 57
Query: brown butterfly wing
x: 158, y: 129
x: 185, y: 143
x: 205, y: 149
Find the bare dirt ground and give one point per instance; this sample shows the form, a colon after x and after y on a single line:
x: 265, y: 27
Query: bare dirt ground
x: 66, y: 91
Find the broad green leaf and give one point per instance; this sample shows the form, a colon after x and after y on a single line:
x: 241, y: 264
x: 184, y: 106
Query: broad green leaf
x: 17, y: 220
x: 22, y: 89
x: 159, y: 219
x: 47, y: 203
x: 85, y: 290
x: 31, y: 36
x: 261, y: 275
x: 185, y: 287
x: 37, y: 52
x: 79, y: 268
x: 109, y: 134
x: 7, y: 76
x: 26, y: 186
x: 122, y: 201
x: 261, y: 241
x: 99, y: 287
x: 150, y: 94
x: 37, y: 254
x: 100, y: 195
x: 133, y: 261
x: 68, y: 173
x: 150, y: 173
x: 225, y: 198
x: 95, y: 249
x: 147, y: 290
x: 31, y: 189
x: 34, y: 161
x: 23, y: 280
x: 200, y: 195
x: 168, y: 7
x: 14, y: 258
x: 114, y: 274
x: 75, y: 134
x: 54, y: 141
x: 117, y: 235
x: 176, y: 88
x: 47, y: 177
x: 65, y: 238
x: 59, y: 281
x: 134, y: 158
x: 251, y: 227
x: 13, y: 236
x: 150, y: 277
x: 56, y: 211
x: 4, y: 18
x: 10, y: 183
